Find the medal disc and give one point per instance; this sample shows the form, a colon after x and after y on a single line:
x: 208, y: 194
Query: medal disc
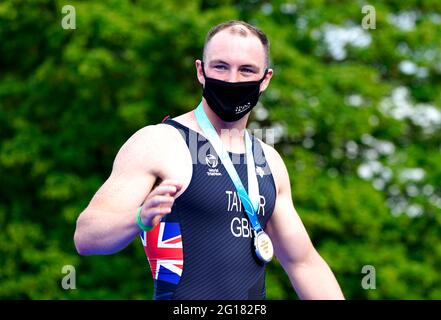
x: 264, y: 247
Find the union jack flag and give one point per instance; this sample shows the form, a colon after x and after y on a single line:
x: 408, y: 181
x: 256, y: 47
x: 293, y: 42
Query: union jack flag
x: 163, y: 247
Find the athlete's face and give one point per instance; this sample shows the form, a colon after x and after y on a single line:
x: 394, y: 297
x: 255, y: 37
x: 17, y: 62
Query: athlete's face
x: 234, y: 58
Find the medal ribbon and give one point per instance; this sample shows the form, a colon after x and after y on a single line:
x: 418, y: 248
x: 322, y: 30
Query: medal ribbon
x: 250, y: 201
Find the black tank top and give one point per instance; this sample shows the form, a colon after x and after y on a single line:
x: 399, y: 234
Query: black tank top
x: 204, y: 248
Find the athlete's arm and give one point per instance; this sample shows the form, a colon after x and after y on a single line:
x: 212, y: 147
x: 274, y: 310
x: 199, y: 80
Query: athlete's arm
x: 310, y: 275
x: 108, y: 224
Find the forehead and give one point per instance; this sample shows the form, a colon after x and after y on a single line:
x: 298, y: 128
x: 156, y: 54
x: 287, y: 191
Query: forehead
x: 235, y: 48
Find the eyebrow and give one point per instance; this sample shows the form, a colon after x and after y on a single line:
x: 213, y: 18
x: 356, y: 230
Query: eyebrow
x: 219, y: 61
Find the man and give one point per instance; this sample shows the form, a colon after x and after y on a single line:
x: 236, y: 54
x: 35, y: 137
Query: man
x: 205, y: 235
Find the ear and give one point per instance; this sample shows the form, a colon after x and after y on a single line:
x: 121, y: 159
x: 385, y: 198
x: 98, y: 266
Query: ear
x: 199, y: 73
x: 266, y: 81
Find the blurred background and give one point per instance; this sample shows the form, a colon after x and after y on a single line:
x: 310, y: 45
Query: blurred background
x: 356, y: 111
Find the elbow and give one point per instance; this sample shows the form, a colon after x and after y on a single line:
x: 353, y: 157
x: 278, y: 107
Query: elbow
x: 80, y: 245
x: 80, y: 242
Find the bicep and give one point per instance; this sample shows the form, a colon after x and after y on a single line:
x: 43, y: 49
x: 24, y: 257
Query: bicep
x: 130, y: 181
x: 291, y: 241
x: 122, y: 191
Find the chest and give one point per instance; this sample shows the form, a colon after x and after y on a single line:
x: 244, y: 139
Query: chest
x: 207, y: 185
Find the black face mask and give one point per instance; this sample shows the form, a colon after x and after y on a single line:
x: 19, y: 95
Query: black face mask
x: 231, y: 100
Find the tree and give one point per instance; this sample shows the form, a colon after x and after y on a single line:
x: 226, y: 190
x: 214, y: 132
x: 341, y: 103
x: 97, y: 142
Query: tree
x: 356, y: 114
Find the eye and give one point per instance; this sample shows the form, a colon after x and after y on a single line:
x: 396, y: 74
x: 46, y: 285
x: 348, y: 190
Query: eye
x: 247, y: 70
x: 220, y: 67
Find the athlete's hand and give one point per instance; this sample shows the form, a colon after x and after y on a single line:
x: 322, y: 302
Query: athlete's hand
x: 159, y: 202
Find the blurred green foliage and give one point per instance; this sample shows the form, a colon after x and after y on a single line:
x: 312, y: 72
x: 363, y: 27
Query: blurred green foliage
x: 358, y: 113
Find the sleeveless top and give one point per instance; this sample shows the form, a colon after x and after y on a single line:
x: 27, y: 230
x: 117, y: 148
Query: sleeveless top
x: 204, y: 248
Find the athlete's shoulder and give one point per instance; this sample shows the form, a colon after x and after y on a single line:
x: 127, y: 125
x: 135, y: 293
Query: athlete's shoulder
x: 146, y: 138
x: 271, y: 154
x: 153, y: 137
x: 145, y: 147
x: 277, y: 165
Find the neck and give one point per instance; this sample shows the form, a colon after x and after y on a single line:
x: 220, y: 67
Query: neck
x: 231, y: 133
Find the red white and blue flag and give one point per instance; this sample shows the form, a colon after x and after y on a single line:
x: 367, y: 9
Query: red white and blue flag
x: 163, y: 247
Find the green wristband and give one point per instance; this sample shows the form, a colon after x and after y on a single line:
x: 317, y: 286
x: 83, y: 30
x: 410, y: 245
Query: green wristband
x: 141, y: 225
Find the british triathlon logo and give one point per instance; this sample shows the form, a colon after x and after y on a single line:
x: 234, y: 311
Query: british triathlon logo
x: 212, y: 163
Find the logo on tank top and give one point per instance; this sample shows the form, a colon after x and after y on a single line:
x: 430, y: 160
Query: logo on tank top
x: 212, y: 163
x: 260, y: 171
